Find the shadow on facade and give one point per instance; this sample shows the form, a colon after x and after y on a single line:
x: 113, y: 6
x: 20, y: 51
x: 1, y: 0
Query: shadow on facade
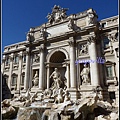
x: 6, y: 94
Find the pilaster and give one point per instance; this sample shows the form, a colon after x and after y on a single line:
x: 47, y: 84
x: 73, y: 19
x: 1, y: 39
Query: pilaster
x: 72, y: 63
x: 19, y: 72
x: 3, y: 64
x: 94, y: 65
x: 27, y: 69
x: 10, y: 71
x: 41, y: 69
x: 68, y: 75
x: 73, y: 83
x: 48, y: 75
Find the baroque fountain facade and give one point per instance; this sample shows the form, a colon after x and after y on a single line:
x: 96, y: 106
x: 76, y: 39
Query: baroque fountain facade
x: 67, y: 69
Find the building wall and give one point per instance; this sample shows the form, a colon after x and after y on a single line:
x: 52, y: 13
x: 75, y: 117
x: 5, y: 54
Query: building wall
x: 66, y: 43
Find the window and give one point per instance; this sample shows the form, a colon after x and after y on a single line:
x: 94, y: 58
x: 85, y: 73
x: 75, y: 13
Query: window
x: 22, y: 80
x: 24, y: 58
x: 112, y: 95
x: 6, y: 79
x: 103, y: 25
x: 14, y: 80
x: 7, y: 61
x: 109, y: 71
x: 16, y: 59
x: 106, y: 43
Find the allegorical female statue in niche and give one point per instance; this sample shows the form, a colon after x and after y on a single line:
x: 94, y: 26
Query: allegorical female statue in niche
x: 85, y: 74
x: 36, y: 79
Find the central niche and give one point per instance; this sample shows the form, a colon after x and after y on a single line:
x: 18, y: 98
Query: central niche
x: 57, y: 60
x: 58, y: 57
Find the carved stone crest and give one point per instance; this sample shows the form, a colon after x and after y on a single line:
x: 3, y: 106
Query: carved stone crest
x: 58, y: 14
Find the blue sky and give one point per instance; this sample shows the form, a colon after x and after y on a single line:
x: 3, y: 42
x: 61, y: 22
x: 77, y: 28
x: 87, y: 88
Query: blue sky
x: 19, y: 15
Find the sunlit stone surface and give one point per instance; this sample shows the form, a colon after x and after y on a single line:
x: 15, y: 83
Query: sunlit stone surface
x: 66, y: 69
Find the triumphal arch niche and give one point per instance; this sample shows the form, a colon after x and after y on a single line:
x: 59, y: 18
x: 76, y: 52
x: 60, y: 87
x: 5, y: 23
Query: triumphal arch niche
x: 57, y: 58
x: 65, y: 52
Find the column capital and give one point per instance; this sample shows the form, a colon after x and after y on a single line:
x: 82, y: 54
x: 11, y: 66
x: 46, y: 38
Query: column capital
x: 27, y: 52
x: 3, y: 59
x: 91, y: 39
x: 47, y: 66
x: 11, y: 56
x: 71, y: 42
x: 41, y: 48
x: 20, y: 54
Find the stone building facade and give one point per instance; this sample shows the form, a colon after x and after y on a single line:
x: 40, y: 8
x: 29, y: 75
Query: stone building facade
x: 83, y: 49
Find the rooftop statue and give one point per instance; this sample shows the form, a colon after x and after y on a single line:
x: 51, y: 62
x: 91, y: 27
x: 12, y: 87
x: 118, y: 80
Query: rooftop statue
x: 92, y: 16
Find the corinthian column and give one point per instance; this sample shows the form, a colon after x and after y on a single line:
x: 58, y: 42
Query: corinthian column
x: 41, y: 69
x: 93, y: 65
x: 3, y: 64
x: 68, y: 74
x: 72, y: 64
x: 48, y: 76
x: 10, y: 71
x: 19, y: 71
x: 27, y: 69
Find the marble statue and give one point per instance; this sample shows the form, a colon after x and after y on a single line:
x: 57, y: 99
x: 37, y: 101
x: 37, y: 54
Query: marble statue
x: 92, y: 16
x: 84, y: 49
x: 50, y: 18
x: 71, y: 24
x: 36, y: 58
x: 59, y: 98
x: 36, y: 79
x: 66, y: 96
x: 63, y: 13
x: 29, y: 36
x: 57, y: 79
x: 85, y: 74
x: 42, y: 32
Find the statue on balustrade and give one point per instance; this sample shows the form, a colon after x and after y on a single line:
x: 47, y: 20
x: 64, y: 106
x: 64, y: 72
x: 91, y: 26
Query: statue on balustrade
x: 85, y: 74
x: 92, y: 16
x: 30, y: 36
x: 57, y: 79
